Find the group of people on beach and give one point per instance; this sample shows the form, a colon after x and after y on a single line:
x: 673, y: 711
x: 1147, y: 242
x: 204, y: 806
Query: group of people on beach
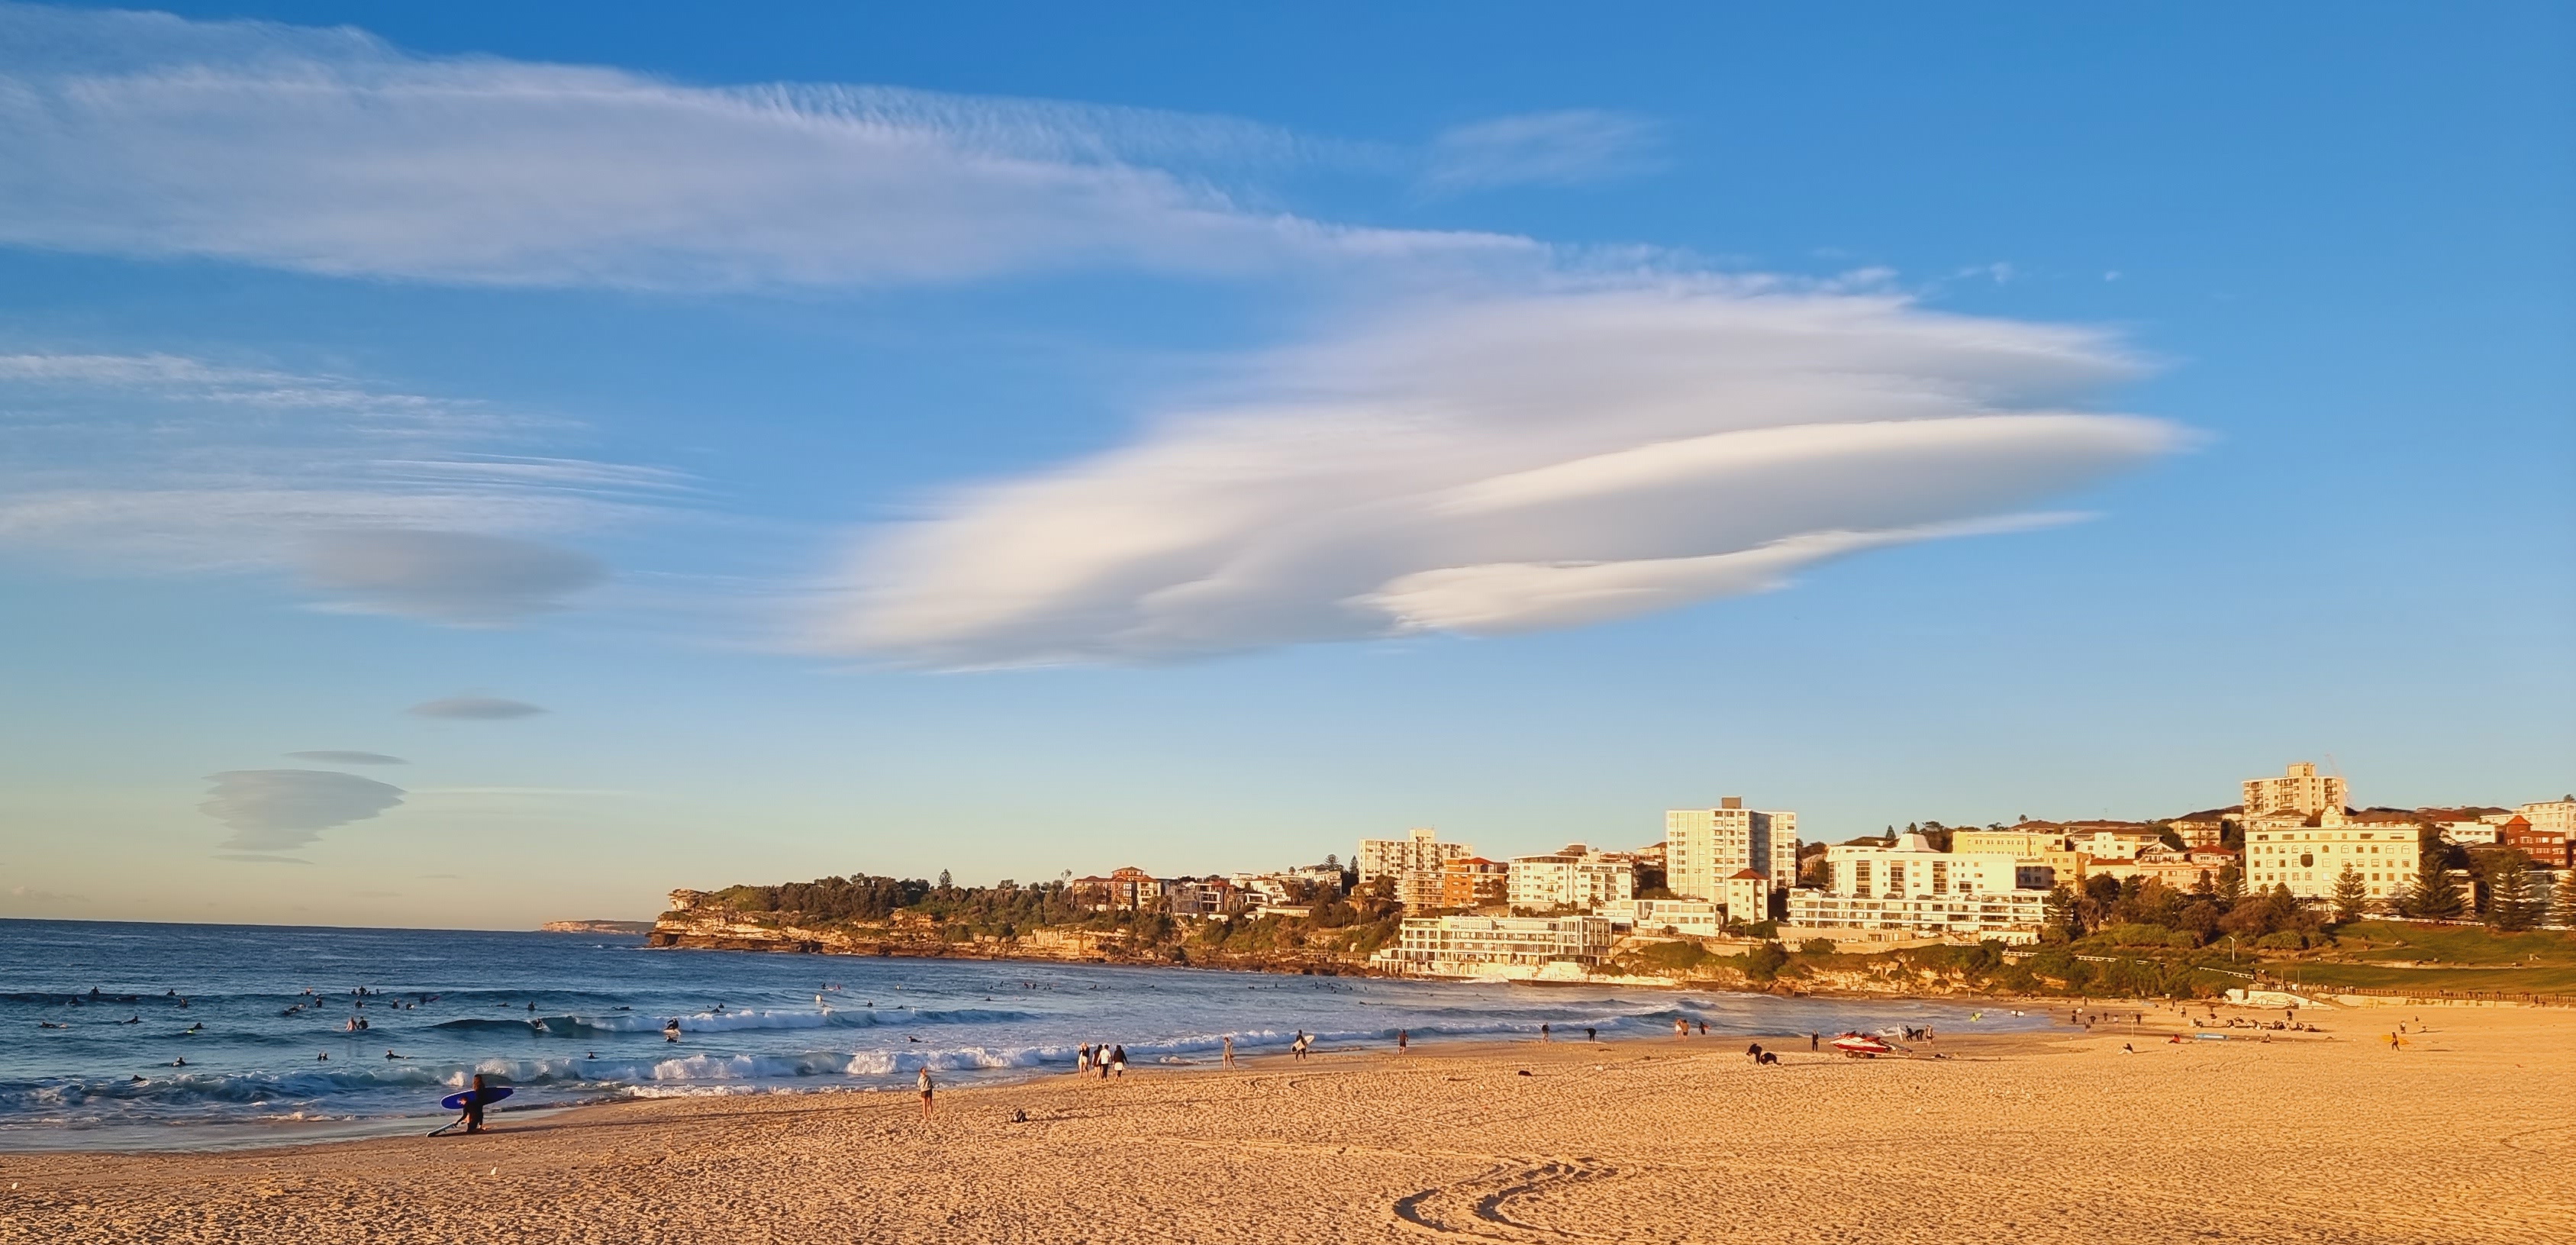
x: 1111, y: 1061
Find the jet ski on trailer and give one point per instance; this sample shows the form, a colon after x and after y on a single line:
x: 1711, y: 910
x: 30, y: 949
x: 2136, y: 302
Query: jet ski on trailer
x: 1863, y: 1046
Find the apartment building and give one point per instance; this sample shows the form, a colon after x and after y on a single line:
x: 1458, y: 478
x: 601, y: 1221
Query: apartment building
x: 1474, y: 882
x: 1666, y: 916
x: 1572, y: 876
x: 1910, y: 888
x: 2545, y: 847
x: 1705, y: 846
x: 1413, y: 862
x: 1202, y: 897
x: 2302, y: 790
x: 2558, y: 815
x: 2308, y: 859
x: 1459, y: 946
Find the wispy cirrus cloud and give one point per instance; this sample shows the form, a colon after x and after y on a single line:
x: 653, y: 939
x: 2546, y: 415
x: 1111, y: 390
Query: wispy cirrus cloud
x: 383, y: 501
x: 1572, y: 147
x: 330, y: 151
x: 1501, y: 465
x: 339, y: 756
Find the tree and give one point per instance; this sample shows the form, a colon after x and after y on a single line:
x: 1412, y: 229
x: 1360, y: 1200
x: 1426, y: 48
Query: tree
x: 2509, y: 898
x: 1766, y: 961
x: 2231, y: 882
x: 2060, y: 909
x: 2435, y: 897
x: 2562, y: 910
x: 2351, y: 894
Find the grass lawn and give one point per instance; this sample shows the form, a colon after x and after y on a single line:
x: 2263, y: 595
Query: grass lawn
x: 2458, y: 957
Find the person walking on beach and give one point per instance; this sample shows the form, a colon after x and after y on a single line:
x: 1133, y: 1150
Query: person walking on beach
x: 1082, y: 1058
x: 1229, y: 1050
x: 1681, y: 1028
x: 1403, y: 1038
x: 1118, y: 1061
x: 924, y: 1082
x: 1542, y: 1034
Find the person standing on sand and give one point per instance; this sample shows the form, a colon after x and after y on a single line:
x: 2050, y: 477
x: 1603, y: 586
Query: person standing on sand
x: 1229, y: 1050
x: 1403, y: 1038
x: 1082, y: 1059
x: 924, y: 1082
x: 474, y: 1106
x: 1542, y: 1034
x: 1118, y: 1061
x: 1681, y: 1028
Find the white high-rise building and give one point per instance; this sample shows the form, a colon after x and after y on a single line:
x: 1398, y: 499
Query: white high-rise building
x: 2302, y: 791
x: 1705, y: 846
x: 1413, y: 861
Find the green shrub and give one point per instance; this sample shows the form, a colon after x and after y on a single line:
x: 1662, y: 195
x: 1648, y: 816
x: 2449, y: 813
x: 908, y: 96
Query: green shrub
x: 1816, y: 946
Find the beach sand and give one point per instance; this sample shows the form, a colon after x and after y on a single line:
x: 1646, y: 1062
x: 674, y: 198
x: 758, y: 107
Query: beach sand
x: 2465, y: 1135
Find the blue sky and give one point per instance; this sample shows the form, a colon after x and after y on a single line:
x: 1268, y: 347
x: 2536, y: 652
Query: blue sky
x: 1035, y: 439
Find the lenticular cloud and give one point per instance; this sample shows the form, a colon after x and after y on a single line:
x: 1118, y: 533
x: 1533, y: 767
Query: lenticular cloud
x: 1511, y: 464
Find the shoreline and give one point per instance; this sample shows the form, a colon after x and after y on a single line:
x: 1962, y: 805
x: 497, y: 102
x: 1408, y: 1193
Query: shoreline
x: 1634, y: 1139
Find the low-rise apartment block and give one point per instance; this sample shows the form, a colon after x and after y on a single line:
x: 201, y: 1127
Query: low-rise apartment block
x: 1697, y: 917
x: 1467, y: 946
x: 1908, y: 887
x: 1474, y: 882
x: 1573, y: 876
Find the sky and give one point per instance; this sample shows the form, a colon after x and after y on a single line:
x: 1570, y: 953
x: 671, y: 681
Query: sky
x: 495, y: 463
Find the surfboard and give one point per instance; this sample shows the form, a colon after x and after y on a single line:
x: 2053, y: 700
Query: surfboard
x: 491, y: 1094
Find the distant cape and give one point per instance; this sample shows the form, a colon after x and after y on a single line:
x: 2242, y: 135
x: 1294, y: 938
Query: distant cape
x: 637, y: 928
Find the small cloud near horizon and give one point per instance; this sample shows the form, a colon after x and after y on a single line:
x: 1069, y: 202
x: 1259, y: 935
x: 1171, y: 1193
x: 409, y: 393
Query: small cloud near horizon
x: 32, y: 895
x: 475, y: 709
x: 335, y: 756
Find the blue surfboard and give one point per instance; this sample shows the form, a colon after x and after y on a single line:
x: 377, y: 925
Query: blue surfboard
x: 491, y: 1094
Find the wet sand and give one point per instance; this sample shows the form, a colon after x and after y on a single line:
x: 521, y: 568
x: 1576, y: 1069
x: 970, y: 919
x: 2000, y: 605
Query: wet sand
x: 2463, y: 1136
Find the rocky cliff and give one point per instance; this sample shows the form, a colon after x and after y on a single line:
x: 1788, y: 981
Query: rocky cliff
x: 596, y: 927
x: 696, y: 921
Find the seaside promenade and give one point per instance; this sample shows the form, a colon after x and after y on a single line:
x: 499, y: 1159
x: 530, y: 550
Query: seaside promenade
x: 2460, y: 1136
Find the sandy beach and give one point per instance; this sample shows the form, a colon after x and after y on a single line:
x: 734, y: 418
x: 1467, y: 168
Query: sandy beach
x: 2463, y: 1135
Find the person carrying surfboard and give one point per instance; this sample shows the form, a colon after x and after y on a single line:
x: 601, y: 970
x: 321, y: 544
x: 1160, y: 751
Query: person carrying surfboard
x: 474, y: 1106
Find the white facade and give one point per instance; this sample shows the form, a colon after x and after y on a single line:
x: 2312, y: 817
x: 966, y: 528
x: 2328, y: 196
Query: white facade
x: 1666, y: 916
x: 1574, y: 876
x: 2470, y: 833
x: 1462, y: 944
x: 1910, y: 887
x: 2558, y: 815
x: 1705, y: 846
x: 2013, y: 916
x: 2302, y: 790
x: 2309, y: 859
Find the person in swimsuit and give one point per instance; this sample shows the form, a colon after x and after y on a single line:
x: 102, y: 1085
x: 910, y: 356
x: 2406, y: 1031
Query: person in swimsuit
x: 924, y: 1082
x: 1229, y: 1049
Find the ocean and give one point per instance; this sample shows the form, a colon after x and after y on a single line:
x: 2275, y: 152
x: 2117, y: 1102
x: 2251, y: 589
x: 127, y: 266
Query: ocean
x: 126, y: 1035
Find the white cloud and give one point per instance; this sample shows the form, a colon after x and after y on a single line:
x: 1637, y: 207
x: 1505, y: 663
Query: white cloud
x: 1567, y: 148
x: 271, y: 810
x: 339, y: 756
x: 329, y: 151
x: 1540, y: 461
